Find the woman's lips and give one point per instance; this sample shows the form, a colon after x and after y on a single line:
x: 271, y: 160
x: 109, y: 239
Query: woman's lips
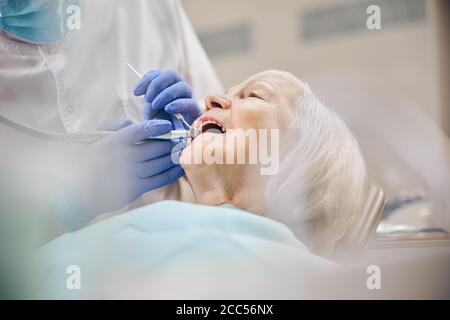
x: 208, y: 122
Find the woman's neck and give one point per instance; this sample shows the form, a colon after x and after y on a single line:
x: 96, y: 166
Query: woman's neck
x: 224, y: 185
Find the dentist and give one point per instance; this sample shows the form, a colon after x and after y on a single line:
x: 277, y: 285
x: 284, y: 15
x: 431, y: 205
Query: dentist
x: 60, y: 77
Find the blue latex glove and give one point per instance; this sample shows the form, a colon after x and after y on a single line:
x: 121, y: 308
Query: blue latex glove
x: 165, y: 94
x: 115, y: 171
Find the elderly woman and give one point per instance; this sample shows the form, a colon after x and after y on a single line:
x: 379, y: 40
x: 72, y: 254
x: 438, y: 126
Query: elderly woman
x: 321, y: 182
x: 243, y: 220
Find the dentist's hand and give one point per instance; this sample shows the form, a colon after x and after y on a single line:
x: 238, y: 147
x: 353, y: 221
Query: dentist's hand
x: 115, y: 171
x: 165, y: 94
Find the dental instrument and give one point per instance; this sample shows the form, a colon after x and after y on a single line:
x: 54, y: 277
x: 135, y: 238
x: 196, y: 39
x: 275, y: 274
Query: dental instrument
x: 139, y: 75
x: 176, y: 135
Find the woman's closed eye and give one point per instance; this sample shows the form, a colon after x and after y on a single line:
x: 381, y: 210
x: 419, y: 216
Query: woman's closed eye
x: 254, y: 95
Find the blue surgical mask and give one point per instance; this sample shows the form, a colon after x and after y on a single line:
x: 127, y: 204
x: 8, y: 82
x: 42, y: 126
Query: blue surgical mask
x: 35, y: 21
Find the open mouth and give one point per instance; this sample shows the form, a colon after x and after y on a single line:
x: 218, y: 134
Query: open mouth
x: 210, y: 124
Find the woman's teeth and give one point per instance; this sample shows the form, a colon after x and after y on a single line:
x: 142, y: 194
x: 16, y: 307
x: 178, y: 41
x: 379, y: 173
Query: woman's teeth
x: 212, y: 126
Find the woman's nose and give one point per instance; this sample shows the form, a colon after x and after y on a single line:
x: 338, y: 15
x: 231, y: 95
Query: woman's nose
x: 217, y: 101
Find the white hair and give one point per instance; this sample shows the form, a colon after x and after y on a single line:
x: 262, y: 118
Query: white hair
x: 321, y: 184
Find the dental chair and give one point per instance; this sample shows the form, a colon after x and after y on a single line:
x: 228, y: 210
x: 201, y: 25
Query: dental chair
x: 354, y: 242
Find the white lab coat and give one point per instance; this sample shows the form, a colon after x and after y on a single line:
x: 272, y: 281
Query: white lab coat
x: 77, y: 83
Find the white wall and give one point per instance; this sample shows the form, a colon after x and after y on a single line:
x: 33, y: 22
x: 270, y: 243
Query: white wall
x: 387, y: 62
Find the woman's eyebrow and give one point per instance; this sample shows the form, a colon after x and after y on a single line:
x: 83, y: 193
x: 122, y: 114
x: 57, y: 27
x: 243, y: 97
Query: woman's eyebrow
x: 235, y: 90
x: 270, y: 87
